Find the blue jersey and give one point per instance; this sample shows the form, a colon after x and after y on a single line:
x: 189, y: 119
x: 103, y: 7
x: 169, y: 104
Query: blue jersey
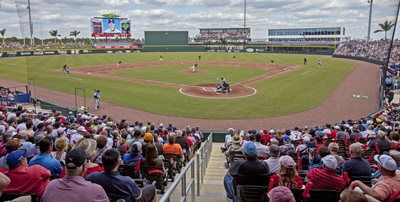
x: 96, y: 95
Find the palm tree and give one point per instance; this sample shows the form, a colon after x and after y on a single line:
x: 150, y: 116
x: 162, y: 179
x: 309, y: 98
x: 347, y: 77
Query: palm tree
x: 74, y: 34
x: 54, y: 33
x: 3, y: 32
x: 385, y: 27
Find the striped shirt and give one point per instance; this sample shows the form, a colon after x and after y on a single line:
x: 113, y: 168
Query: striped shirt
x: 326, y: 179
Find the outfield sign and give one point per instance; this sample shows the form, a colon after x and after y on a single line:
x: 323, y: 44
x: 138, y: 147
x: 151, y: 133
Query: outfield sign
x: 62, y: 52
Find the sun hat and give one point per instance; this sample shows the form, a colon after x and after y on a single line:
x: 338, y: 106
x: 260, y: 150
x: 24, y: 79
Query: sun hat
x: 88, y: 145
x: 236, y: 139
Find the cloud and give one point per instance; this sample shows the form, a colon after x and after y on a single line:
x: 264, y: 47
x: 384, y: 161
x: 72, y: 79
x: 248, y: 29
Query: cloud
x: 191, y: 15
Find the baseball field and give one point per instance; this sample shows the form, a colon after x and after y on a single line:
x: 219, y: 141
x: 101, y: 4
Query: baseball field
x: 259, y: 89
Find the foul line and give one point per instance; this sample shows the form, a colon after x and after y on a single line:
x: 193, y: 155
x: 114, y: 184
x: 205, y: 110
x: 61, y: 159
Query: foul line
x: 306, y: 72
x: 71, y: 78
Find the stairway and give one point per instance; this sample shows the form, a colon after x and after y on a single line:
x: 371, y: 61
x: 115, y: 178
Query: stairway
x: 212, y: 188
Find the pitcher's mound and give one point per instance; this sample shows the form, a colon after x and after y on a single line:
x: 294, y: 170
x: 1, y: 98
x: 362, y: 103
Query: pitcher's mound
x: 207, y: 91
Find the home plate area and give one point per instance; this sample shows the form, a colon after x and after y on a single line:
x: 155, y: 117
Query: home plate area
x: 208, y: 91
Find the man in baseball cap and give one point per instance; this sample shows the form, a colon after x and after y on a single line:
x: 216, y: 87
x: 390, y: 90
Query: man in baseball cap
x: 326, y: 178
x: 73, y: 187
x: 246, y: 171
x: 387, y: 184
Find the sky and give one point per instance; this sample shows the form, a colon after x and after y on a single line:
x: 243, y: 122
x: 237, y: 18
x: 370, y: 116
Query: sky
x: 191, y: 15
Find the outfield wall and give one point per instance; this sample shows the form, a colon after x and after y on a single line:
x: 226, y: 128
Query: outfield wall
x: 358, y: 58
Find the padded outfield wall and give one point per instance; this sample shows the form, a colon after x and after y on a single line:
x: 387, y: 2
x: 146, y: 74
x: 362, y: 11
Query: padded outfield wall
x: 166, y: 37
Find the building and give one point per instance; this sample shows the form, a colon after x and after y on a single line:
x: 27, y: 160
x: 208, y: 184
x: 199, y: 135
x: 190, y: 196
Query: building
x: 310, y: 34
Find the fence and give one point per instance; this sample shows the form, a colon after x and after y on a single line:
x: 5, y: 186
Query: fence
x: 203, y: 155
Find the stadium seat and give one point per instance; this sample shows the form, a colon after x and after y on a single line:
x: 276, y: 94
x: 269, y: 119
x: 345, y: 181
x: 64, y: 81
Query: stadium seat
x: 364, y: 179
x: 154, y: 174
x: 251, y: 193
x: 12, y: 196
x: 234, y: 156
x: 129, y: 170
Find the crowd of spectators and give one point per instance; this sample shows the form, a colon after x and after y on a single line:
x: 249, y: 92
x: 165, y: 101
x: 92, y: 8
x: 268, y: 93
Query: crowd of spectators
x: 330, y: 156
x: 51, y: 155
x: 223, y: 35
x: 373, y: 50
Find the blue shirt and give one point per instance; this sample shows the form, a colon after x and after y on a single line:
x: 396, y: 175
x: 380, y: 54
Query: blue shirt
x: 131, y: 160
x: 116, y: 185
x: 51, y: 164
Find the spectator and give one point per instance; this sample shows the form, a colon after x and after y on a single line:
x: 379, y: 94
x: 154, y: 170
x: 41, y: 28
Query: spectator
x: 349, y: 195
x: 44, y: 159
x: 273, y: 161
x: 383, y: 143
x: 246, y: 172
x: 152, y: 158
x: 117, y: 186
x: 342, y: 133
x: 81, y: 132
x: 356, y: 166
x: 315, y: 160
x: 101, y: 143
x: 236, y: 140
x: 73, y: 187
x: 171, y: 147
x: 387, y: 184
x: 287, y: 175
x: 147, y: 139
x: 4, y: 181
x: 281, y: 194
x: 37, y: 140
x: 306, y: 146
x: 287, y: 147
x: 12, y: 145
x: 262, y: 150
x: 228, y: 140
x: 61, y: 146
x: 24, y: 179
x: 134, y: 155
x: 5, y: 137
x: 326, y: 178
x: 23, y: 136
x: 334, y: 148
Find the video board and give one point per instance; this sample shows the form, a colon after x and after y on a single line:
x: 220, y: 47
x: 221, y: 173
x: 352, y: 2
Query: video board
x: 111, y: 27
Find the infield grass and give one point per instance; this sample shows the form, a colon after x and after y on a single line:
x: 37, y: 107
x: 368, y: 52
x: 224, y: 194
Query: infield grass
x: 289, y: 93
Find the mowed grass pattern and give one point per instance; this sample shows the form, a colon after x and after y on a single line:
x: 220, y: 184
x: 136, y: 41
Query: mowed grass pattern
x: 292, y: 92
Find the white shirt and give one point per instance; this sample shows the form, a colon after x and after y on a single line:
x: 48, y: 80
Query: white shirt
x: 295, y: 135
x: 75, y: 138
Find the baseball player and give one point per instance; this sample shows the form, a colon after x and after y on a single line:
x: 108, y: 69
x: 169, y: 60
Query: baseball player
x: 66, y: 69
x: 319, y: 64
x: 96, y: 97
x: 161, y: 59
x: 119, y: 63
x: 193, y: 67
x: 234, y: 58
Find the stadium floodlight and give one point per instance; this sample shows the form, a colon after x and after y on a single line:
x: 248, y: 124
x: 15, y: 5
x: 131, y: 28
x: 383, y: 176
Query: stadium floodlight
x: 369, y: 21
x: 30, y: 22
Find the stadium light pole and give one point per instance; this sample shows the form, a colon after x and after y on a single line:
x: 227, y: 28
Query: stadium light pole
x: 244, y: 23
x: 369, y: 21
x: 30, y: 21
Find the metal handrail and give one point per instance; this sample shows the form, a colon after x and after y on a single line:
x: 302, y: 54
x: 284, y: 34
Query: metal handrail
x: 203, y: 155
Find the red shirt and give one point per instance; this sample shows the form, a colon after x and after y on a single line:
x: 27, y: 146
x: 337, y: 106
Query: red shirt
x: 265, y: 139
x: 28, y: 180
x: 326, y: 179
x: 297, y: 178
x: 332, y: 134
x: 88, y: 171
x: 189, y: 141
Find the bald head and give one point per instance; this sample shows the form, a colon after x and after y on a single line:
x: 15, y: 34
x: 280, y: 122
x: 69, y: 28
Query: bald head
x: 179, y: 133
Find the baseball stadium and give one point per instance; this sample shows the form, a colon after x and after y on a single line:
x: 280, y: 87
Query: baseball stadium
x: 227, y: 99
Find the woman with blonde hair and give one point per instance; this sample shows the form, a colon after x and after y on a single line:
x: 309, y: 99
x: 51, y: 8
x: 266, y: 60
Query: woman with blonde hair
x: 279, y: 136
x: 334, y: 148
x: 61, y: 146
x: 287, y: 175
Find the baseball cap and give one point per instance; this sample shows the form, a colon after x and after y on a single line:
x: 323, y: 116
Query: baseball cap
x: 136, y: 147
x: 81, y: 128
x: 23, y: 133
x: 286, y: 138
x: 306, y: 139
x: 76, y: 158
x: 39, y: 138
x: 111, y: 20
x: 386, y: 161
x: 281, y: 194
x: 287, y: 162
x: 148, y: 137
x: 161, y: 125
x: 250, y: 149
x: 330, y: 161
x: 15, y: 157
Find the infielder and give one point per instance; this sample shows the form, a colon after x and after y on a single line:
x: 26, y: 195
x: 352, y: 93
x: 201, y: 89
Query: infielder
x: 319, y: 64
x: 119, y: 63
x: 66, y: 69
x: 161, y: 59
x: 193, y: 67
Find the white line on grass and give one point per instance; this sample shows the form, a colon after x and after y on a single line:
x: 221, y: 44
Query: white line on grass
x: 306, y: 72
x: 72, y: 78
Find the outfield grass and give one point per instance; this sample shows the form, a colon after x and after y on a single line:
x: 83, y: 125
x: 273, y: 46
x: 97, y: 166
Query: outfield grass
x: 292, y: 92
